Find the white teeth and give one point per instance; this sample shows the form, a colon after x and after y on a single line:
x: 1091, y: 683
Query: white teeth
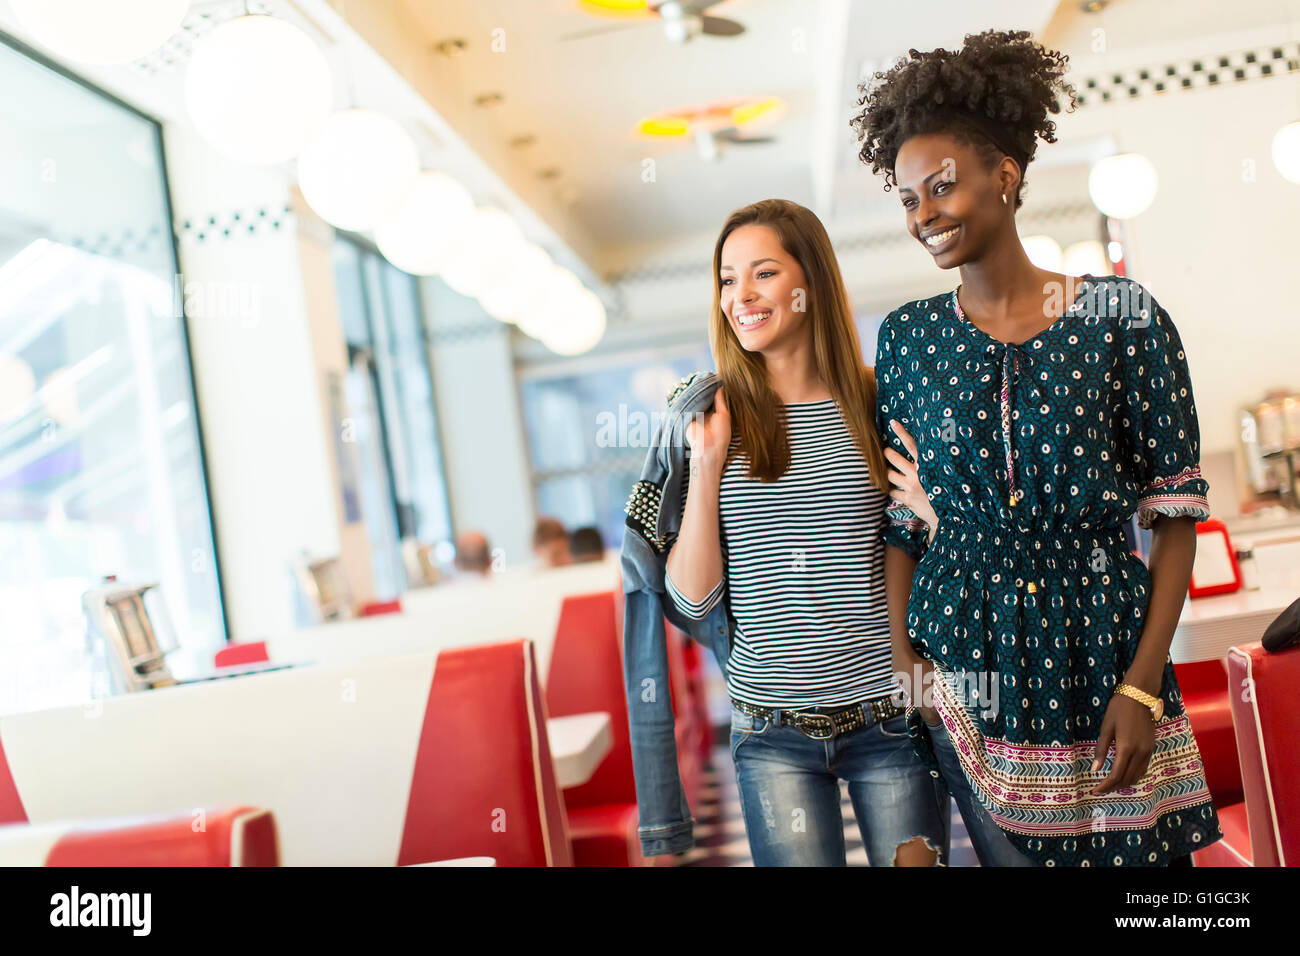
x: 941, y: 237
x: 752, y: 319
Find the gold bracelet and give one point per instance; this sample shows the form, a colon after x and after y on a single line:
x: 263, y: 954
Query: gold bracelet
x: 1153, y: 704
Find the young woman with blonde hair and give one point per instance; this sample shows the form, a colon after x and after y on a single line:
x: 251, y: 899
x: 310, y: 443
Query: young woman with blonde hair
x: 784, y: 519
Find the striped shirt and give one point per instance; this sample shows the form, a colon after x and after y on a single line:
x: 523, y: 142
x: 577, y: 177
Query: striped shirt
x: 804, y: 571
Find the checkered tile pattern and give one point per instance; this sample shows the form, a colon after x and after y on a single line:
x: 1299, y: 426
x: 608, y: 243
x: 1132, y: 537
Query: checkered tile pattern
x: 720, y: 829
x: 1197, y: 73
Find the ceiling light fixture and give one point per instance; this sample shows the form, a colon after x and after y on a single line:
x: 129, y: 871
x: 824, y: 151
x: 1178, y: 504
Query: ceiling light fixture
x: 355, y: 168
x: 256, y: 88
x: 93, y: 31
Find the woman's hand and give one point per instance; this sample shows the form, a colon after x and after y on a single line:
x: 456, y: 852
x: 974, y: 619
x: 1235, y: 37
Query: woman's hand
x: 709, y: 436
x: 915, y: 675
x: 906, y: 481
x: 1129, y: 725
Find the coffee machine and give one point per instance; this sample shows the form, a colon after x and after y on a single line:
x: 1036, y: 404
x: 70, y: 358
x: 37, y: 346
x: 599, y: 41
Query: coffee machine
x: 324, y: 585
x: 1270, y: 441
x: 121, y: 633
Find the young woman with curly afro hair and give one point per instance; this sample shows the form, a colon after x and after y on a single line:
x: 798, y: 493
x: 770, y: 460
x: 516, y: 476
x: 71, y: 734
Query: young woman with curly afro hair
x: 1037, y: 413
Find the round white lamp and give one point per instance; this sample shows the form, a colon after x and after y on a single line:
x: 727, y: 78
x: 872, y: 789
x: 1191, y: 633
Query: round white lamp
x: 556, y: 293
x: 1043, y: 251
x: 427, y: 224
x: 356, y: 167
x: 1123, y: 186
x: 256, y: 88
x: 1086, y: 258
x: 509, y: 299
x: 1286, y: 151
x: 95, y: 31
x: 492, y: 240
x: 580, y: 328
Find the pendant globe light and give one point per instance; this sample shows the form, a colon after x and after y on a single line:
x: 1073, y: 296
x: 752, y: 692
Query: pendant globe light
x: 556, y: 293
x: 424, y: 229
x: 1286, y: 151
x: 256, y: 88
x: 509, y: 299
x: 356, y: 167
x: 1123, y: 186
x: 1043, y: 251
x: 580, y: 326
x: 1087, y: 257
x: 95, y: 31
x: 491, y: 241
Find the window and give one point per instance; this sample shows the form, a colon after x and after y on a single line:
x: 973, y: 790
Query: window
x: 390, y: 396
x: 101, y: 470
x: 588, y: 434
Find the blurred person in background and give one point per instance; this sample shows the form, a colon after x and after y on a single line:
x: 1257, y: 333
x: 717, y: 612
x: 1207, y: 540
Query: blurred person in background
x: 587, y: 544
x: 473, y: 556
x: 551, y: 543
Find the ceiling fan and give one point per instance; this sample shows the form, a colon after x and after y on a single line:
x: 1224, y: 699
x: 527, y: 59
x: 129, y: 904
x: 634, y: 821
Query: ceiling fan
x: 710, y: 143
x: 682, y: 20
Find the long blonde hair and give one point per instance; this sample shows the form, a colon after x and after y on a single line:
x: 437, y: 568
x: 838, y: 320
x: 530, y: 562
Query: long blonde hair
x: 757, y: 413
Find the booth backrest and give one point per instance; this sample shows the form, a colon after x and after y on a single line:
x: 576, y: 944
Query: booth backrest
x: 587, y: 675
x: 358, y: 761
x: 238, y: 836
x: 512, y: 604
x: 1266, y: 717
x: 484, y: 781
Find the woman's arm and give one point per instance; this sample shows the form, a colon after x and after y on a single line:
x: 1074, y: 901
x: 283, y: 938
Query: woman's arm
x: 1173, y: 549
x: 1127, y: 722
x: 695, y: 560
x: 910, y: 668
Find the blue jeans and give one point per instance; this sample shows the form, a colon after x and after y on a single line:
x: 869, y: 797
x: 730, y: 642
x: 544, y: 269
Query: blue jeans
x: 790, y: 793
x: 991, y: 844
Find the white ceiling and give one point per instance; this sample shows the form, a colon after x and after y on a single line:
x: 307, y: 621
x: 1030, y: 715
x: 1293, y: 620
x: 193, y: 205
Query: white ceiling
x: 582, y: 99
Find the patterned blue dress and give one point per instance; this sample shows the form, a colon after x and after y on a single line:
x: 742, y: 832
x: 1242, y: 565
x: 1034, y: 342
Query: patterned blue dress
x: 1028, y: 600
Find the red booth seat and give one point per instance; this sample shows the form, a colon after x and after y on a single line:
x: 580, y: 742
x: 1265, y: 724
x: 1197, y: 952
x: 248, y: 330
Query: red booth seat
x: 372, y: 608
x: 1263, y: 829
x: 1204, y: 686
x: 235, y: 654
x: 586, y: 674
x: 395, y: 760
x: 238, y: 836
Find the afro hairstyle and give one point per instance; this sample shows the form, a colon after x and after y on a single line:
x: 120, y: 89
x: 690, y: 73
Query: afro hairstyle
x: 999, y: 80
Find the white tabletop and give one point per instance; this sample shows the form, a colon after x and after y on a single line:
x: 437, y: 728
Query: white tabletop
x: 1208, y: 626
x: 463, y: 861
x: 579, y: 743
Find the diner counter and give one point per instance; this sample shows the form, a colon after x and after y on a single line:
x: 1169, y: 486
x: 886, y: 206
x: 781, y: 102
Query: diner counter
x: 1208, y: 626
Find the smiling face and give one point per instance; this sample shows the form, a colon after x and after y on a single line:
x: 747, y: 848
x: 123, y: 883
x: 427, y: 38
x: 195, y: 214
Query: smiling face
x: 762, y: 289
x: 953, y: 196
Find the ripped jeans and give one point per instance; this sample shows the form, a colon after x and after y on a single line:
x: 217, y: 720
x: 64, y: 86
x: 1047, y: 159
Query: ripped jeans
x: 990, y: 843
x: 790, y: 792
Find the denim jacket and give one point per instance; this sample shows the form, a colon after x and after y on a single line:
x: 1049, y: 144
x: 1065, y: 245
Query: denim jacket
x: 654, y: 513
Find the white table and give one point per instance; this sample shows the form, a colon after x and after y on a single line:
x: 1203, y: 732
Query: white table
x: 462, y: 861
x: 1208, y: 626
x: 579, y: 743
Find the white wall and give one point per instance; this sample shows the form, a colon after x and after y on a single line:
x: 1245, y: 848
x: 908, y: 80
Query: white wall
x: 484, y: 447
x: 270, y: 467
x: 1218, y: 251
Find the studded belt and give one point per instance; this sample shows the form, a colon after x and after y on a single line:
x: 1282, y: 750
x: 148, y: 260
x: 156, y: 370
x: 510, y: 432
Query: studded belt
x: 828, y: 723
